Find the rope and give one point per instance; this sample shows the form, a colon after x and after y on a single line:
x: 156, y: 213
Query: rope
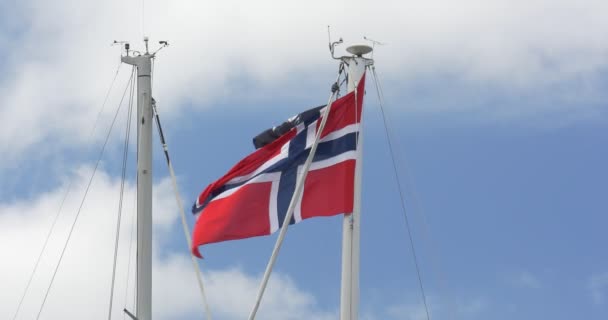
x: 125, y: 157
x: 290, y: 209
x: 401, y: 195
x: 65, y: 195
x: 48, y: 290
x: 199, y: 276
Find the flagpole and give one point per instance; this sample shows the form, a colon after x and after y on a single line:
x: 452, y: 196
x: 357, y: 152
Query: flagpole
x: 143, y: 62
x: 349, y: 293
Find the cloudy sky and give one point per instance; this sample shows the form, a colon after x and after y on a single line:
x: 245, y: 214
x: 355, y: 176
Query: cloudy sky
x: 498, y: 110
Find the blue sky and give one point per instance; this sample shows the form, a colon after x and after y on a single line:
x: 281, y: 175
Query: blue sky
x: 514, y: 214
x: 498, y: 112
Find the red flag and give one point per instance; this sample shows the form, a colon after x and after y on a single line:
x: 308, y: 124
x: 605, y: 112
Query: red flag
x: 252, y: 198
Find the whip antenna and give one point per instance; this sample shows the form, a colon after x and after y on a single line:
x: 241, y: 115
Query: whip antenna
x: 332, y: 45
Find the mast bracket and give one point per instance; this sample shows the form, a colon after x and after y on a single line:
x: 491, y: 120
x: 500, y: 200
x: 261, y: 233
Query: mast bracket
x: 130, y: 314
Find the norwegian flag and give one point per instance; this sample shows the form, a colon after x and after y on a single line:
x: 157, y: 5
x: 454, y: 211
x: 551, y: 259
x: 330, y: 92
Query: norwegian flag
x: 252, y: 198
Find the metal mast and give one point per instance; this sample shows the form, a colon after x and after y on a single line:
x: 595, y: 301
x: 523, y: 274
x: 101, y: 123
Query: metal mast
x: 349, y: 297
x: 143, y: 62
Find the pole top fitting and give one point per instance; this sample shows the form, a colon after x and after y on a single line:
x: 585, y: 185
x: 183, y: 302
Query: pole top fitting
x: 146, y: 39
x: 359, y: 49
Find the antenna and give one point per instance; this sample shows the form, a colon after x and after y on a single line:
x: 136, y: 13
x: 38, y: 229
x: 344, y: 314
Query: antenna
x: 374, y: 43
x: 126, y: 45
x: 359, y: 50
x: 163, y: 44
x: 332, y: 45
x: 146, y: 42
x: 329, y: 36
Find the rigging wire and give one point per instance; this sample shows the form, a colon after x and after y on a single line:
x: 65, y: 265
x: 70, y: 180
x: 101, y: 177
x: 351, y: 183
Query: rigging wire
x: 48, y: 290
x: 125, y: 157
x: 417, y: 208
x: 130, y: 258
x: 290, y: 209
x: 401, y: 195
x: 65, y: 195
x: 195, y: 264
x: 197, y: 269
x: 105, y: 100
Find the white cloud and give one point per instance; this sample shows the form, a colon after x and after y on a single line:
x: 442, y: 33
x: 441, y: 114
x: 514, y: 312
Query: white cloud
x: 83, y: 280
x: 60, y: 63
x: 82, y: 286
x: 231, y: 294
x: 598, y: 287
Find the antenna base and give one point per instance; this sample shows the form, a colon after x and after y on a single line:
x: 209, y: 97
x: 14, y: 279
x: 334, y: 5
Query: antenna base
x: 359, y: 49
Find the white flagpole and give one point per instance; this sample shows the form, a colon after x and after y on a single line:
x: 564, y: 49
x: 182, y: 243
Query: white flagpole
x: 349, y: 293
x: 144, y: 181
x: 143, y: 62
